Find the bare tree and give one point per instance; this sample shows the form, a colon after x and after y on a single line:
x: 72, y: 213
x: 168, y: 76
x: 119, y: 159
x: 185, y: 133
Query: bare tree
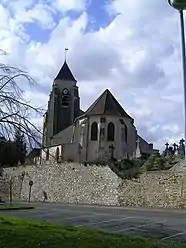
x: 15, y: 111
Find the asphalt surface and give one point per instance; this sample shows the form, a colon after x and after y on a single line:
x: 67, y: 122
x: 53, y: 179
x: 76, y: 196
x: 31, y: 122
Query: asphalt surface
x: 165, y: 225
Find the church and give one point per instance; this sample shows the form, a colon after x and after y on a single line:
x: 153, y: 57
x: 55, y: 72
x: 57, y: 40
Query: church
x: 70, y: 134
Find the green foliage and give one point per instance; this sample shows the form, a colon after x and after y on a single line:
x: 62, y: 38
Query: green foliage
x: 21, y: 233
x: 157, y: 162
x: 127, y: 168
x: 12, y: 152
x: 7, y: 151
x: 20, y: 147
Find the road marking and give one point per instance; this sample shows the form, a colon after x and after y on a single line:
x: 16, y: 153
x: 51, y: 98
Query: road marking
x: 137, y: 227
x: 104, y: 221
x: 172, y: 236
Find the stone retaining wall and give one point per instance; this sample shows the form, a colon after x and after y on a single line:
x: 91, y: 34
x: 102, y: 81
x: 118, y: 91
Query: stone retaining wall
x: 162, y: 189
x: 76, y: 183
x: 68, y: 182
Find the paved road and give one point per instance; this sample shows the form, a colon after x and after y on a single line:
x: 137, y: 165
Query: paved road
x: 165, y: 225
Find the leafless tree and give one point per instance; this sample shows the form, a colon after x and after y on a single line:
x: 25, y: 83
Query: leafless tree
x: 15, y: 111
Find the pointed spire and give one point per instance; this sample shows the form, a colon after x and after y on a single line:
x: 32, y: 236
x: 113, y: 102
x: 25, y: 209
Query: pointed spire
x: 65, y: 73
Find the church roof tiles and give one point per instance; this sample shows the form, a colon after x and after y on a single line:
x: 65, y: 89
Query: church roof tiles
x: 65, y: 73
x: 106, y: 104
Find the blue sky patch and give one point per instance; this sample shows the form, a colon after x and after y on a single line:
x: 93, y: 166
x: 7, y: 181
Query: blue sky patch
x: 36, y: 32
x: 98, y: 16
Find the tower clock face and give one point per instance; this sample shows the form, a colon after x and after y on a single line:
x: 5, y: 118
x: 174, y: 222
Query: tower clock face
x: 65, y: 91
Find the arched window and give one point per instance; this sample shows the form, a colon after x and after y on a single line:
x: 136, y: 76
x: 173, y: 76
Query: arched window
x: 126, y: 134
x: 110, y: 132
x: 94, y: 131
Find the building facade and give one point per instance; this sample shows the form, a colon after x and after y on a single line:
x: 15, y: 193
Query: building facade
x: 69, y: 134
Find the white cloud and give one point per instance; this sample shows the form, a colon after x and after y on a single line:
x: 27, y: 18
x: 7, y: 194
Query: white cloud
x: 65, y: 6
x: 18, y: 5
x: 137, y: 57
x: 40, y: 13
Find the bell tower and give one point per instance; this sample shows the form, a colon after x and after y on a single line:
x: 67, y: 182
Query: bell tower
x: 63, y: 104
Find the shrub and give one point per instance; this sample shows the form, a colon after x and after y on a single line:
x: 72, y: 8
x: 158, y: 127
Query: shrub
x: 156, y: 162
x: 127, y: 168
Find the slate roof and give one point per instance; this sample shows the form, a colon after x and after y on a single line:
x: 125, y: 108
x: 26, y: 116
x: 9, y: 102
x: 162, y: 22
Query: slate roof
x: 81, y: 112
x: 65, y: 73
x: 106, y: 104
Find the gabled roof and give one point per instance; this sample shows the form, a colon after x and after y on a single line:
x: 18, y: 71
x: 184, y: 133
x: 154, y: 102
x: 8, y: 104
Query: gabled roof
x: 65, y: 73
x: 106, y: 104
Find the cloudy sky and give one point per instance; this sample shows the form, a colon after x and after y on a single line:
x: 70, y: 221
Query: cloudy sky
x: 131, y: 47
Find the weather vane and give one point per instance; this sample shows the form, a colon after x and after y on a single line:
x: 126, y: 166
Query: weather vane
x: 66, y: 49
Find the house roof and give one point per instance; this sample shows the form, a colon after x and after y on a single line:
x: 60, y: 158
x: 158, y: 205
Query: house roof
x: 106, y: 104
x: 65, y: 73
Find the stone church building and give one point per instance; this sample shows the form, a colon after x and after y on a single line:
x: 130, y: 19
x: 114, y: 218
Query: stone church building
x: 70, y: 134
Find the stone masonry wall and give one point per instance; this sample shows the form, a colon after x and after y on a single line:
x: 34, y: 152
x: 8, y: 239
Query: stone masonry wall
x: 76, y: 183
x: 68, y: 183
x: 162, y: 189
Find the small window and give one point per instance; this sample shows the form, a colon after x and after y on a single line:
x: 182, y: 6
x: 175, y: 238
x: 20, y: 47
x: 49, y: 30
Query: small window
x: 94, y: 131
x: 123, y: 133
x: 46, y: 116
x: 126, y: 134
x: 47, y: 154
x: 57, y: 154
x: 110, y: 132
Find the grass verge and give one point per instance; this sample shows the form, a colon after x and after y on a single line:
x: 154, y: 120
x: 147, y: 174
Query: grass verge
x: 21, y: 233
x: 15, y: 207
